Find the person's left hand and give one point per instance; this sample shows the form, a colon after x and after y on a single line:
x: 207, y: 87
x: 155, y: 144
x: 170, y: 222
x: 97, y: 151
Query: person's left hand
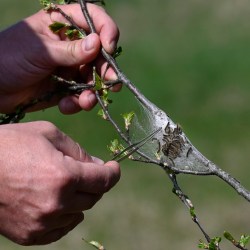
x: 47, y: 180
x: 30, y: 53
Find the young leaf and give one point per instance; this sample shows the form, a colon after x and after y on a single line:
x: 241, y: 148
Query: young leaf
x: 115, y: 147
x: 242, y: 242
x: 229, y: 237
x: 105, y: 99
x: 128, y: 117
x: 102, y: 114
x: 73, y: 34
x: 50, y: 4
x: 99, y: 85
x: 95, y: 244
x: 57, y: 26
x: 192, y: 212
x: 45, y: 3
x: 117, y: 52
x: 244, y: 239
x: 213, y: 245
x: 203, y: 245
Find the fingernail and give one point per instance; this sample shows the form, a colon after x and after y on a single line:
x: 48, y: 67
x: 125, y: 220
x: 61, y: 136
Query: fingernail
x: 97, y: 160
x: 88, y: 43
x: 112, y: 46
x: 113, y: 76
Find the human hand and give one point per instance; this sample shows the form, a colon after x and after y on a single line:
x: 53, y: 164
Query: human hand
x: 30, y: 53
x: 46, y: 181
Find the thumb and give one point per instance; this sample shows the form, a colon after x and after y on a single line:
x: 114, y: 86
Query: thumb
x: 71, y: 53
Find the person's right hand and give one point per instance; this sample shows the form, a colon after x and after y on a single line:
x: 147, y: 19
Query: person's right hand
x: 46, y: 181
x: 30, y: 53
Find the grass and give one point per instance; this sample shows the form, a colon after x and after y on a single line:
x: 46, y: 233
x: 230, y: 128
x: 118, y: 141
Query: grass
x: 192, y: 59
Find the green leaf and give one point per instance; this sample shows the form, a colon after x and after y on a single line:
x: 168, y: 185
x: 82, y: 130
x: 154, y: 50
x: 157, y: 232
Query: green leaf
x: 57, y: 26
x: 102, y: 114
x: 117, y: 52
x: 192, y: 212
x: 128, y: 117
x: 244, y: 239
x: 213, y: 245
x: 229, y: 237
x: 95, y: 244
x: 73, y: 34
x: 99, y: 85
x: 203, y: 245
x: 50, y: 4
x: 105, y: 98
x: 45, y: 3
x: 115, y: 147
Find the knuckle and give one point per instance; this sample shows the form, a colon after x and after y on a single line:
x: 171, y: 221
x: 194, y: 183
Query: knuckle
x: 25, y: 240
x: 27, y: 237
x: 49, y: 208
x: 46, y: 127
x: 31, y: 235
x: 51, y: 132
x: 63, y: 181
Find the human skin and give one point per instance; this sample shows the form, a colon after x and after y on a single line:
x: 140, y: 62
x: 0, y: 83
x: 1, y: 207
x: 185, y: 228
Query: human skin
x: 46, y: 179
x: 36, y: 53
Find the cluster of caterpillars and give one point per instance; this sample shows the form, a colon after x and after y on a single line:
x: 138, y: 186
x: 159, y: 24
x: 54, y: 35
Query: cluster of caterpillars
x: 172, y: 142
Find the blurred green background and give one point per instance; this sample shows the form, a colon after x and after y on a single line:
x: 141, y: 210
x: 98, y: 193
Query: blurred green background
x: 192, y: 58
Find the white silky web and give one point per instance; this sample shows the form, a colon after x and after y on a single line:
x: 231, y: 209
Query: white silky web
x: 143, y: 125
x: 148, y: 120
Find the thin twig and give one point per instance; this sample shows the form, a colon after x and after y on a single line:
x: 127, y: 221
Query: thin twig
x: 184, y: 198
x: 88, y: 19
